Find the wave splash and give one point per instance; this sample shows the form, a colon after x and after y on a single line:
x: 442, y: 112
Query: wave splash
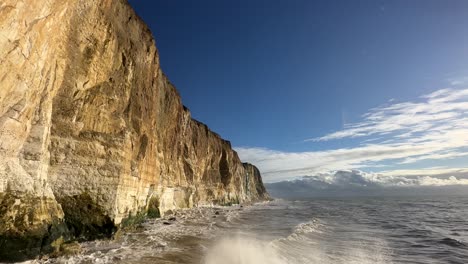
x: 241, y: 250
x: 307, y: 243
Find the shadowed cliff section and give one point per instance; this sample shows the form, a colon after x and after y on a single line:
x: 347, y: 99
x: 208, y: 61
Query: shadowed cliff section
x: 92, y: 132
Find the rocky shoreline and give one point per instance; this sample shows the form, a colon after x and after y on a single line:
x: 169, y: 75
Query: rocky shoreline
x: 165, y: 233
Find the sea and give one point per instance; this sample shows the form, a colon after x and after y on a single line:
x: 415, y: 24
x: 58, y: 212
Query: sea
x: 315, y: 230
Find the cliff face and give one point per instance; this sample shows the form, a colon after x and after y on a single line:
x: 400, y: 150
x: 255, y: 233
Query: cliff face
x: 92, y: 132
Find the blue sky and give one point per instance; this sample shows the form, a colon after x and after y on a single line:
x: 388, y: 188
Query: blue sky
x: 289, y: 82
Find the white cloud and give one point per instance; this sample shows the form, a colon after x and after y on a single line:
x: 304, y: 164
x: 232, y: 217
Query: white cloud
x: 358, y: 178
x: 432, y: 171
x: 458, y: 81
x: 438, y: 110
x: 359, y: 183
x: 434, y: 128
x: 452, y: 180
x: 435, y: 156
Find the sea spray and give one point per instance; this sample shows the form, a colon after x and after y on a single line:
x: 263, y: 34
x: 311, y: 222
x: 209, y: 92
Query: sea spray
x: 356, y: 231
x: 242, y: 250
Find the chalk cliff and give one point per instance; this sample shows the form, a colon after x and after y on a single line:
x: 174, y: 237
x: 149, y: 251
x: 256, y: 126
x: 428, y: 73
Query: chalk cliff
x: 91, y: 130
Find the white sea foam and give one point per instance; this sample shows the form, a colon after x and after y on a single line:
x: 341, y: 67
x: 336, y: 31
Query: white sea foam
x: 308, y: 243
x: 234, y: 235
x: 313, y: 226
x: 241, y: 250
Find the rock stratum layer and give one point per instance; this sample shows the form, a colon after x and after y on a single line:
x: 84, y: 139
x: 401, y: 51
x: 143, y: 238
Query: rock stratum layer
x: 91, y: 130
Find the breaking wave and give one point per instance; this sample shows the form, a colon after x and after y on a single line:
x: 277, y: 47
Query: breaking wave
x: 330, y: 231
x: 241, y: 250
x: 298, y: 248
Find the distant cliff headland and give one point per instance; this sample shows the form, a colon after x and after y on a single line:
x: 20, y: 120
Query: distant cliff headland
x: 92, y: 133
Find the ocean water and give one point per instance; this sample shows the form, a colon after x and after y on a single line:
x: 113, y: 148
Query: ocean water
x: 355, y: 230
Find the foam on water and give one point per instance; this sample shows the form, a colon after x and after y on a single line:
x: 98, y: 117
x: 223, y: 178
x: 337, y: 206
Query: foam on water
x: 306, y: 244
x: 242, y: 250
x: 294, y: 232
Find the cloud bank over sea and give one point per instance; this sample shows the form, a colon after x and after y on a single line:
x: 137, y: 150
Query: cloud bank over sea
x: 397, y: 141
x: 359, y: 183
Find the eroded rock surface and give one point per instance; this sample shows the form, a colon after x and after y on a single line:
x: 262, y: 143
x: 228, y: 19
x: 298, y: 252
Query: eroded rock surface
x: 92, y: 132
